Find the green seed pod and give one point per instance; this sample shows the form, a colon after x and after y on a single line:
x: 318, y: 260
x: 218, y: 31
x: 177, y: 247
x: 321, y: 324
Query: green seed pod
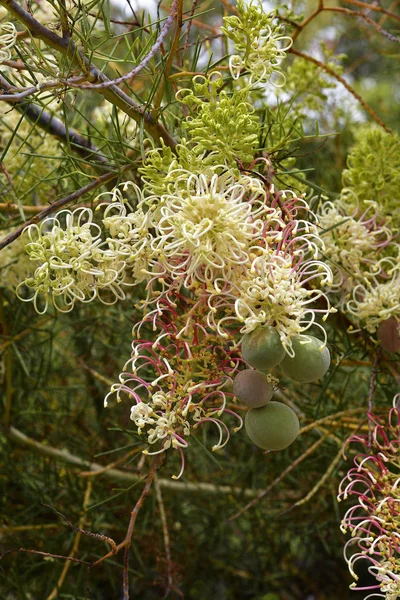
x: 273, y: 426
x: 262, y: 348
x: 389, y: 335
x: 309, y: 362
x: 252, y: 388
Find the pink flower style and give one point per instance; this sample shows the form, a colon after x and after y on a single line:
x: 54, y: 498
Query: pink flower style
x: 374, y: 521
x: 177, y: 384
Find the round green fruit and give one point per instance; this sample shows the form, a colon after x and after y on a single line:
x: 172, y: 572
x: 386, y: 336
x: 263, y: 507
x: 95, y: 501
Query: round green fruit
x: 262, y: 348
x: 273, y: 426
x: 389, y: 335
x: 309, y: 362
x: 252, y: 388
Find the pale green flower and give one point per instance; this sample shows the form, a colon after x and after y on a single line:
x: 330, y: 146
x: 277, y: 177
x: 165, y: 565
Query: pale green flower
x: 259, y: 41
x: 71, y: 263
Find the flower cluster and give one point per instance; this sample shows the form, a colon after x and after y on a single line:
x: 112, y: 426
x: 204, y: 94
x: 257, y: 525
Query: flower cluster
x: 374, y: 301
x: 374, y: 483
x: 72, y: 265
x: 177, y: 384
x: 364, y: 256
x: 260, y: 43
x: 245, y: 253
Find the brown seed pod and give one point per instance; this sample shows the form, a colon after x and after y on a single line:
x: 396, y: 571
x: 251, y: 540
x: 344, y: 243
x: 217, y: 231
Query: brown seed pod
x: 253, y: 388
x: 262, y: 348
x: 389, y: 335
x: 273, y: 426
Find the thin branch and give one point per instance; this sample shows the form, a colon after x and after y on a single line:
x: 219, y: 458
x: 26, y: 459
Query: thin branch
x: 174, y: 47
x: 164, y: 526
x: 47, y: 554
x: 24, y: 441
x: 56, y: 205
x: 308, y: 20
x: 348, y: 87
x: 126, y: 542
x: 188, y: 28
x: 78, y: 529
x: 106, y: 83
x: 374, y: 7
x: 134, y: 514
x: 318, y: 485
x: 4, y: 207
x: 75, y: 545
x: 290, y: 468
x: 355, y: 13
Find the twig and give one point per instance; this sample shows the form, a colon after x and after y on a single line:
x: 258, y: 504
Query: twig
x: 56, y: 205
x: 174, y: 47
x: 5, y: 207
x: 374, y: 7
x: 134, y: 514
x: 48, y: 554
x: 188, y: 28
x: 24, y: 441
x: 308, y: 20
x: 318, y: 485
x: 355, y: 13
x: 111, y: 465
x: 278, y: 479
x: 23, y: 333
x: 78, y: 529
x: 164, y: 526
x: 371, y: 392
x: 348, y: 87
x: 106, y: 83
x: 75, y: 545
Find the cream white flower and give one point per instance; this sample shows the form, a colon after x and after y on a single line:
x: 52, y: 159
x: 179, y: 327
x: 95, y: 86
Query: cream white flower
x: 375, y: 301
x: 71, y: 262
x: 8, y: 37
x: 205, y: 230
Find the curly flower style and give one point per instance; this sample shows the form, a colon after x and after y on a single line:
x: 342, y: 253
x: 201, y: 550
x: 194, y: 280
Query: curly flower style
x: 247, y: 255
x: 130, y: 238
x: 204, y: 231
x: 177, y: 384
x: 72, y: 265
x: 8, y: 38
x: 373, y: 520
x: 355, y: 244
x: 260, y: 43
x: 375, y: 301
